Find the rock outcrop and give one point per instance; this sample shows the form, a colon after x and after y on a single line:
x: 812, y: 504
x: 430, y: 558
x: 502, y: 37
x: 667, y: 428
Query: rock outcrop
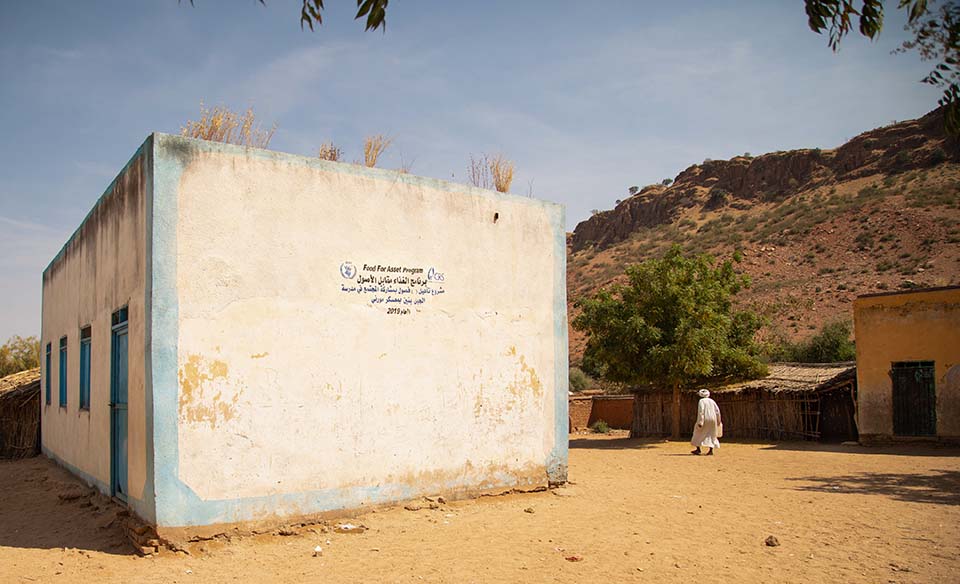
x: 742, y: 180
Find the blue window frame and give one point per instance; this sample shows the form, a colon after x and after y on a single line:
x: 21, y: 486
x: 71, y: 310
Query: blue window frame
x: 63, y: 372
x: 85, y: 368
x: 46, y: 380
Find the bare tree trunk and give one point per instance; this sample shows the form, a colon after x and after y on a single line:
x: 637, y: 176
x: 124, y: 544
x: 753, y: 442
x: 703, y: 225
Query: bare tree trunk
x: 676, y: 412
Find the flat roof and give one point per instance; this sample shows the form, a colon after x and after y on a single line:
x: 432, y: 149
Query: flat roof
x: 910, y: 291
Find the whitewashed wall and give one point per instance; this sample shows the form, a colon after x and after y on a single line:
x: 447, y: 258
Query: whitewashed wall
x: 347, y: 336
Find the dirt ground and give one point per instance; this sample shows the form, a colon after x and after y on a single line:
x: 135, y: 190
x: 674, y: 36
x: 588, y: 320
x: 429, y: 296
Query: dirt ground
x: 636, y: 511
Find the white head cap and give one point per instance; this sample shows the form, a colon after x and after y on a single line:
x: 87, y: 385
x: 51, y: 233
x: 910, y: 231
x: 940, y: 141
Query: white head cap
x: 703, y: 393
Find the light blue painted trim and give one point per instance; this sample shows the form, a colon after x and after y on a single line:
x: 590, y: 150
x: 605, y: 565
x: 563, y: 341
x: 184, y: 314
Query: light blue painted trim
x: 139, y: 506
x: 163, y: 329
x: 194, y: 146
x: 85, y: 477
x: 557, y: 461
x: 179, y: 506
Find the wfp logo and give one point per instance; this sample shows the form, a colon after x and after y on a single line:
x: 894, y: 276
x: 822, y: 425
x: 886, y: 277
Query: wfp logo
x: 348, y: 270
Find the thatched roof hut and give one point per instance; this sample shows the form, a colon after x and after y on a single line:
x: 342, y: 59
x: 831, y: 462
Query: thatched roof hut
x: 794, y: 401
x: 20, y: 414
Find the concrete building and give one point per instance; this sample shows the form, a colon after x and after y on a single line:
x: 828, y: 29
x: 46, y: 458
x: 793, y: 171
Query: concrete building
x: 239, y: 335
x: 908, y: 365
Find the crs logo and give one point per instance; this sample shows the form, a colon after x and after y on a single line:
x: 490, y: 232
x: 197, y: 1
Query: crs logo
x: 434, y: 276
x: 348, y: 270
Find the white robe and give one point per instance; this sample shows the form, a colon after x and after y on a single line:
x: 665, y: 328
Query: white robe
x: 708, y: 418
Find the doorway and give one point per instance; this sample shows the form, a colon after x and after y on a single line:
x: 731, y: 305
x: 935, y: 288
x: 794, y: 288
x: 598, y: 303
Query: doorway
x: 914, y: 398
x: 118, y: 404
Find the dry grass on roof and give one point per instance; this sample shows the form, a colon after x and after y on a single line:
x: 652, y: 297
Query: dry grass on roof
x: 22, y: 382
x: 797, y: 377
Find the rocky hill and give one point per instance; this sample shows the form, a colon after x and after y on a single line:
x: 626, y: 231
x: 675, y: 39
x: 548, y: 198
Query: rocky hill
x: 816, y: 227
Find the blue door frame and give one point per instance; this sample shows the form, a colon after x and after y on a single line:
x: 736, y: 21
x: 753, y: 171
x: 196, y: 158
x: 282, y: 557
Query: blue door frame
x: 118, y: 405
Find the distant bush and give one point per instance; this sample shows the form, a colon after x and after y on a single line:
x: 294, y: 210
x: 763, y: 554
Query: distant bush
x: 600, y: 427
x: 864, y: 240
x: 579, y: 380
x: 19, y: 354
x: 667, y: 182
x: 938, y: 156
x: 830, y: 345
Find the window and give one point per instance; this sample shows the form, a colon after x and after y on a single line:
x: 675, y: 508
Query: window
x: 85, y: 368
x: 63, y: 372
x: 47, y: 378
x: 119, y: 317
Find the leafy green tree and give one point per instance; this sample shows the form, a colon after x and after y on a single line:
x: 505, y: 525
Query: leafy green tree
x: 19, y: 354
x: 374, y: 10
x: 672, y: 323
x: 934, y: 24
x: 311, y: 13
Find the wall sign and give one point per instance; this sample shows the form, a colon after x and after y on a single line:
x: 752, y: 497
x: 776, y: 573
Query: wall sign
x: 399, y: 290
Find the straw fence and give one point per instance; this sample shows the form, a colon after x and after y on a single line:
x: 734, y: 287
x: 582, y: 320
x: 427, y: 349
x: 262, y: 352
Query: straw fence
x: 786, y: 405
x: 20, y: 414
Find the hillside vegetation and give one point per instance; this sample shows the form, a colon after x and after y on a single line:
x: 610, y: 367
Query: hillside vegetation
x: 815, y: 228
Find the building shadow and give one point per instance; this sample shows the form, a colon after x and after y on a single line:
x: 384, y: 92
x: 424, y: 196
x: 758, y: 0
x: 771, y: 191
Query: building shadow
x: 918, y: 449
x: 595, y: 443
x: 940, y: 487
x: 42, y: 506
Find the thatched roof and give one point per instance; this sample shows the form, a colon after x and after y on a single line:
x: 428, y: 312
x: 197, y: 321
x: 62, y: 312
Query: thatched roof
x: 20, y: 385
x: 798, y: 377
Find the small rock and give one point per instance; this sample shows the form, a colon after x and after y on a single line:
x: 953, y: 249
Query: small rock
x: 771, y: 541
x: 350, y: 528
x: 286, y: 531
x: 441, y: 500
x: 420, y: 506
x: 71, y: 492
x: 574, y: 558
x: 317, y: 551
x: 528, y: 510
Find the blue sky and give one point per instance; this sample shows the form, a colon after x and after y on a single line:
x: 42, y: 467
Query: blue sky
x: 588, y: 98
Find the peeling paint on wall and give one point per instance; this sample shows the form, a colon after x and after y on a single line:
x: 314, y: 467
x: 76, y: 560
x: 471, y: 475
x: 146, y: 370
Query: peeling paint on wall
x: 202, y: 387
x: 527, y: 380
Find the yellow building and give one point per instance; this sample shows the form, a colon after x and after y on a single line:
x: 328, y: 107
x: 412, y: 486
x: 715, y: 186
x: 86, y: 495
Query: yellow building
x: 908, y: 365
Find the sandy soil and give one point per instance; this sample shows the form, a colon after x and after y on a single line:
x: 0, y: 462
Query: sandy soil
x: 637, y: 511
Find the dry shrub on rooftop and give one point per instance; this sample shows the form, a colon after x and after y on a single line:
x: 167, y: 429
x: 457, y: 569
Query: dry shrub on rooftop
x: 373, y: 148
x: 330, y: 151
x: 478, y: 172
x: 221, y: 124
x: 502, y: 170
x: 488, y: 172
